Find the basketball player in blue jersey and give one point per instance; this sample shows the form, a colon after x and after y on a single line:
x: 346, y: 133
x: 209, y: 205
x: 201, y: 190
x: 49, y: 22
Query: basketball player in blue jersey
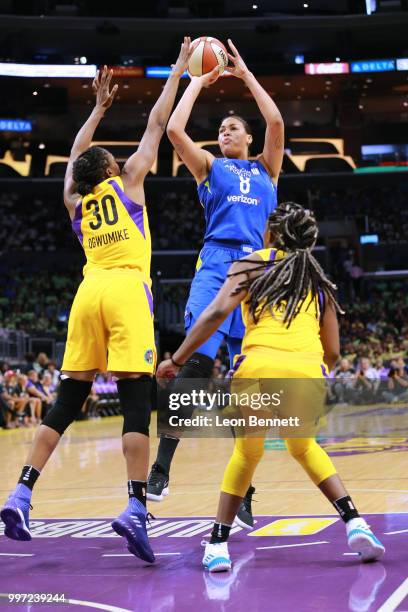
x: 111, y: 321
x: 237, y: 195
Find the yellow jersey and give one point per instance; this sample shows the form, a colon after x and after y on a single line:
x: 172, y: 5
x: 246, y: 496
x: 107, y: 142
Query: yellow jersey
x: 270, y: 332
x: 113, y: 230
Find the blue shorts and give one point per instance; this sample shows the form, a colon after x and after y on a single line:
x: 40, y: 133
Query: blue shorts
x: 213, y: 264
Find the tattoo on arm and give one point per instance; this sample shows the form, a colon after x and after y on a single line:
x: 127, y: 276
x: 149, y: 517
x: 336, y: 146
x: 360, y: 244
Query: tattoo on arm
x: 279, y: 142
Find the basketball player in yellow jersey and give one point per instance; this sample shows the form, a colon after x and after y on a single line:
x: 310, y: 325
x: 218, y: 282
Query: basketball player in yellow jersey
x: 111, y: 321
x: 289, y: 309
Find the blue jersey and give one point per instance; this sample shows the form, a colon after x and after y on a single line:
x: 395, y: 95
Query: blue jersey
x: 238, y: 196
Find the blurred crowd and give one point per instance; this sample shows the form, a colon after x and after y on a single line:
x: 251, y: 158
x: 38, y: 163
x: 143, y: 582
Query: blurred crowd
x: 177, y: 219
x: 374, y: 331
x: 37, y: 300
x: 28, y: 390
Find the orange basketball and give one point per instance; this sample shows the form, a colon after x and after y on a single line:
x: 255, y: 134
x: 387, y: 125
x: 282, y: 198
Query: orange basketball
x: 209, y: 53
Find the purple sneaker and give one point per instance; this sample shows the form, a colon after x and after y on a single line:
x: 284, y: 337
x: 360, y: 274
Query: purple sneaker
x: 15, y: 514
x: 131, y: 524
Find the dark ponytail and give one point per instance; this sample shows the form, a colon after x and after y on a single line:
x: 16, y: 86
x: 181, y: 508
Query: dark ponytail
x: 89, y: 169
x: 287, y: 282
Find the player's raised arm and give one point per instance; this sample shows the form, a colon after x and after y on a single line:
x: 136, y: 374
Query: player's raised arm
x: 272, y: 153
x: 196, y: 159
x: 139, y: 164
x: 82, y: 142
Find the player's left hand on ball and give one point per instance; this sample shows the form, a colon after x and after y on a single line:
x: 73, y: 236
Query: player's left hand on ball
x: 100, y: 86
x: 238, y: 68
x: 165, y: 370
x: 209, y: 78
x: 186, y: 52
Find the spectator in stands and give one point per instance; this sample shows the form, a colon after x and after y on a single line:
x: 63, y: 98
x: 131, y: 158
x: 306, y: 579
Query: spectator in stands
x: 381, y: 369
x: 398, y: 381
x: 7, y: 414
x: 17, y: 401
x: 33, y: 403
x: 41, y: 363
x: 343, y: 388
x: 35, y: 389
x: 55, y: 375
x: 367, y: 382
x: 47, y: 385
x: 5, y: 367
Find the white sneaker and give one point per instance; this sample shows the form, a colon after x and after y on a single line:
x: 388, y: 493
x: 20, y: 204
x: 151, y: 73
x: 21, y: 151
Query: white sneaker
x: 216, y: 557
x: 362, y: 540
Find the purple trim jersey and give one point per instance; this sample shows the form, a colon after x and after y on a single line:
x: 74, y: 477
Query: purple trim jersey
x: 113, y: 230
x: 238, y: 196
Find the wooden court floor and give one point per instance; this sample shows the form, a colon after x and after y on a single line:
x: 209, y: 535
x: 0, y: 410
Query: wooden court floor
x: 86, y: 475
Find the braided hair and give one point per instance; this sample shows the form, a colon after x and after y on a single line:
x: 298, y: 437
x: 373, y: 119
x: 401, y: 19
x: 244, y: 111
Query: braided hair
x: 286, y: 283
x: 90, y: 169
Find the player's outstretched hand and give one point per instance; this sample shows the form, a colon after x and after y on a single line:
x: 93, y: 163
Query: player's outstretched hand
x: 166, y: 370
x: 186, y: 52
x: 100, y: 86
x: 238, y: 68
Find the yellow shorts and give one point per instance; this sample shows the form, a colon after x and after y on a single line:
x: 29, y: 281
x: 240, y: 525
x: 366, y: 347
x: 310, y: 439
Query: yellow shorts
x: 295, y: 380
x: 259, y: 362
x: 111, y: 324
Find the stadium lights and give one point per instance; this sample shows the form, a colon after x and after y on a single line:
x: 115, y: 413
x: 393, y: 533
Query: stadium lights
x: 47, y: 70
x: 402, y: 63
x: 160, y: 72
x: 371, y: 6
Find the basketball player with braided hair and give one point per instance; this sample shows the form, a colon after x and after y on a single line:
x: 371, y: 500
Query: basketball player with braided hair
x: 290, y: 311
x: 111, y: 321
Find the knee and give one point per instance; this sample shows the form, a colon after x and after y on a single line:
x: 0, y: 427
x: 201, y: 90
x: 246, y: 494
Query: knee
x: 298, y: 447
x: 71, y: 397
x: 249, y: 449
x: 135, y: 395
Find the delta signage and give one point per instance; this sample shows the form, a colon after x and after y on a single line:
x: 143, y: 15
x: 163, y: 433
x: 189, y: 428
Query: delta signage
x: 15, y: 125
x: 386, y: 65
x: 360, y: 67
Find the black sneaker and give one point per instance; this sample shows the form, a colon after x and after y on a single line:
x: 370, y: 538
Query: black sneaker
x: 244, y: 516
x: 157, y: 484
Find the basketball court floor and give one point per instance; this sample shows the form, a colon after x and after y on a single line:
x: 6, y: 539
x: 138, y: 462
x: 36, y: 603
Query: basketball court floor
x: 296, y: 559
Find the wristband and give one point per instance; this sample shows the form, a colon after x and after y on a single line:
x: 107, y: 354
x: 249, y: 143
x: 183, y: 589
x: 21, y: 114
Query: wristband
x: 178, y: 365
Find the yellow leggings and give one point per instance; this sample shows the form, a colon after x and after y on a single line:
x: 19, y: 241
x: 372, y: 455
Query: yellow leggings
x: 248, y: 452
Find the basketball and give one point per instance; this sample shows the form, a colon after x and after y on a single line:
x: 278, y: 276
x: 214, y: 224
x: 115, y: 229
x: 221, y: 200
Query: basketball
x: 209, y: 53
